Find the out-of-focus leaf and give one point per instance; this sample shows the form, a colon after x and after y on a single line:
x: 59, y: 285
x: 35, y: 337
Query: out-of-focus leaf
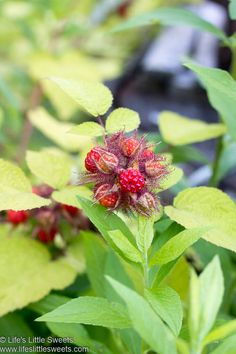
x: 227, y: 161
x: 207, y: 206
x: 221, y: 90
x: 179, y: 130
x: 232, y: 9
x: 171, y: 16
x: 93, y: 97
x: 27, y: 270
x: 221, y: 332
x: 226, y: 347
x: 15, y: 189
x: 51, y: 166
x: 88, y: 129
x: 68, y: 195
x: 122, y: 119
x: 57, y: 131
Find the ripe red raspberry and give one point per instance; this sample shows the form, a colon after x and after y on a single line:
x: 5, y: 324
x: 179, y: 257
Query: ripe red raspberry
x: 147, y: 155
x: 92, y: 157
x: 70, y: 209
x: 154, y: 168
x: 131, y: 180
x: 17, y: 217
x: 106, y: 197
x: 46, y: 236
x: 129, y: 146
x: 107, y: 162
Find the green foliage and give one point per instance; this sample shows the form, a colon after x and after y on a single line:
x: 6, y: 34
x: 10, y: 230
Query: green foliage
x: 173, y: 248
x: 167, y: 304
x: 145, y: 321
x: 51, y: 166
x: 174, y: 176
x: 15, y: 189
x: 179, y: 130
x: 126, y: 248
x: 207, y: 206
x: 204, y: 304
x: 93, y: 97
x: 68, y: 195
x: 220, y: 332
x: 221, y: 90
x: 26, y: 265
x: 57, y: 131
x: 123, y: 119
x: 232, y: 9
x: 171, y: 16
x: 226, y: 347
x: 90, y: 310
x: 88, y: 129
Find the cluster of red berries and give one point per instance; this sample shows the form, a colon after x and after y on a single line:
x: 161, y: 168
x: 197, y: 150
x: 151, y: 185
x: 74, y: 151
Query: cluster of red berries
x: 46, y: 220
x: 126, y: 173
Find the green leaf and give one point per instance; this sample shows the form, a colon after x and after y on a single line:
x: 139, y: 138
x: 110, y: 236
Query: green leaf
x: 232, y: 9
x: 174, y: 248
x: 27, y: 270
x: 79, y: 335
x: 94, y: 311
x: 51, y: 166
x: 220, y: 332
x: 48, y: 303
x: 122, y: 119
x: 145, y: 321
x: 15, y: 189
x: 167, y: 304
x: 179, y: 130
x: 205, y: 306
x: 57, y: 131
x: 93, y: 97
x: 171, y: 16
x: 68, y: 195
x: 174, y: 176
x: 103, y: 220
x: 127, y: 249
x: 88, y: 129
x: 145, y: 233
x: 207, y: 206
x: 221, y: 90
x: 226, y: 347
x: 95, y: 254
x: 227, y: 161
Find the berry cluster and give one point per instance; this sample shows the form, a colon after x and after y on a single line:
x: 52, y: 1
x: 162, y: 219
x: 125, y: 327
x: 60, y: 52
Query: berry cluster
x: 46, y: 221
x: 126, y: 173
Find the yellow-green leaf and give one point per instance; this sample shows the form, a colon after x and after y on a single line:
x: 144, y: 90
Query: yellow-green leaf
x: 122, y: 119
x: 210, y: 207
x: 179, y: 130
x: 174, y: 176
x: 69, y: 195
x: 88, y: 129
x: 15, y: 189
x: 93, y: 97
x: 57, y: 131
x: 51, y: 166
x: 27, y: 273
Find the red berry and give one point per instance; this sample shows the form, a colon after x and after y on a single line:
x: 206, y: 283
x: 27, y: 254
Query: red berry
x: 92, y: 157
x: 107, y: 162
x: 154, y: 168
x: 129, y: 146
x: 106, y: 197
x: 17, y: 217
x: 123, y: 9
x: 147, y: 154
x: 70, y: 209
x: 131, y: 180
x: 47, y: 236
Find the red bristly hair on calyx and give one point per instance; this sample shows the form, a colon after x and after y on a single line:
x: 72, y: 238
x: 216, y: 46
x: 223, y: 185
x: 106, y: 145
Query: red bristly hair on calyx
x: 126, y: 172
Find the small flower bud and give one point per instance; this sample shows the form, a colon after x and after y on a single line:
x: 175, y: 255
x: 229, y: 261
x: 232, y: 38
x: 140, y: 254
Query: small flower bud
x: 146, y: 203
x: 92, y: 157
x: 107, y: 196
x: 129, y: 146
x: 107, y: 162
x: 154, y: 168
x: 147, y: 155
